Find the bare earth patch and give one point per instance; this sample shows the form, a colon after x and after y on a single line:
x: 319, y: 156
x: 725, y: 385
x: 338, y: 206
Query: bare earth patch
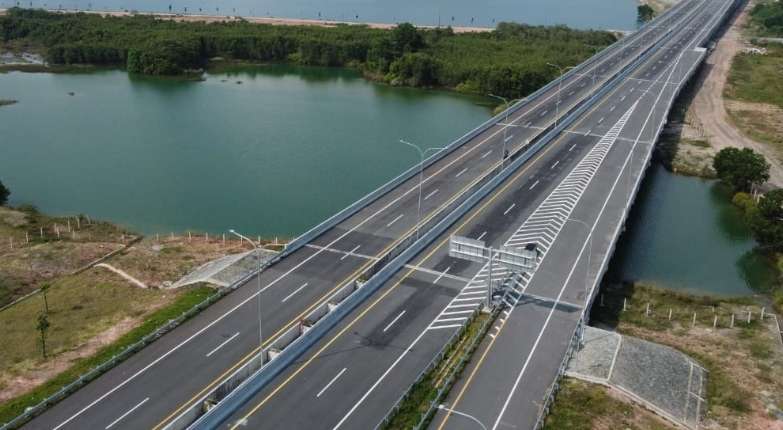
x: 12, y: 385
x: 762, y: 122
x: 160, y: 261
x: 711, y: 117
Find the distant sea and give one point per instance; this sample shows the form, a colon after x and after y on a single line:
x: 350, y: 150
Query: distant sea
x: 598, y: 14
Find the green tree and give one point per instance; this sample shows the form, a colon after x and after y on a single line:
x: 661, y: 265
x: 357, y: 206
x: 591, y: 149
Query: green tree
x: 417, y: 69
x: 43, y: 327
x: 644, y: 13
x: 741, y: 168
x: 771, y: 205
x: 4, y: 193
x: 406, y: 38
x: 44, y: 290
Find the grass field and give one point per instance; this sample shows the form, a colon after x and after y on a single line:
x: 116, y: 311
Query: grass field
x: 80, y: 307
x: 584, y: 406
x: 93, y: 314
x: 757, y: 78
x: 745, y: 363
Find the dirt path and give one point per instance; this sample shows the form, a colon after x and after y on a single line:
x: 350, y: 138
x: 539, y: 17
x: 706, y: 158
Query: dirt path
x: 707, y: 114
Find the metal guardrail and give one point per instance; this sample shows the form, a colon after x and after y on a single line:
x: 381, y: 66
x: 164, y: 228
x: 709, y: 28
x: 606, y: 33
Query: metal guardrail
x: 554, y: 387
x: 431, y: 365
x: 298, y: 243
x: 252, y: 365
x: 247, y: 389
x: 303, y: 240
x: 453, y: 372
x: 104, y: 367
x: 369, y: 198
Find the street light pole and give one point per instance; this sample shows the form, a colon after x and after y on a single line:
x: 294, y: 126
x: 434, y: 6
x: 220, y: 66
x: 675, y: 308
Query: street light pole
x: 559, y: 87
x: 462, y: 414
x: 421, y: 177
x: 257, y: 248
x: 505, y: 128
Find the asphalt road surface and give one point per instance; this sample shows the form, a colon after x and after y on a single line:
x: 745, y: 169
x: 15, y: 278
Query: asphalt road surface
x: 570, y: 199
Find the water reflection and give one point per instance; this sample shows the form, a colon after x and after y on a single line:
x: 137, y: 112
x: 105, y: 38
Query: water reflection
x: 684, y: 233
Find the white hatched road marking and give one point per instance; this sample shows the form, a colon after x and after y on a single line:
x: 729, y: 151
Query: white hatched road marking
x: 541, y: 227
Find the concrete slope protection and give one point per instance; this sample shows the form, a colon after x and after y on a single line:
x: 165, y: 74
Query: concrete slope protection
x: 353, y: 376
x: 514, y: 375
x: 175, y: 370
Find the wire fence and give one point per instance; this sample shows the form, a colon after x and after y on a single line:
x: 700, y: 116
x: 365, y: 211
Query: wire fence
x: 102, y: 368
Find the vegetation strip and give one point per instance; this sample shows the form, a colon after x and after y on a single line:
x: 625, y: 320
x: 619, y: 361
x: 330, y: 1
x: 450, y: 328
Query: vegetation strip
x: 751, y: 391
x: 417, y: 407
x: 15, y: 411
x: 511, y: 61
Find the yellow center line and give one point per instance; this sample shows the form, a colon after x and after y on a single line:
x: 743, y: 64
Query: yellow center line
x: 480, y: 210
x: 356, y: 273
x: 502, y: 325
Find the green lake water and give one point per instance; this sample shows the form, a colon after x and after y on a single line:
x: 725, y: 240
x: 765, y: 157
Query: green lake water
x: 684, y: 233
x: 272, y: 155
x: 287, y: 147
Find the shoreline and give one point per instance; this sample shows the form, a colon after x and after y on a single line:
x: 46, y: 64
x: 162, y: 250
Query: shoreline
x: 191, y: 17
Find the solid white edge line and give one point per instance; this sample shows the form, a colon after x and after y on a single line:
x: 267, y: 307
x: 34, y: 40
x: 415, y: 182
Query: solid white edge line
x: 581, y: 252
x: 275, y: 281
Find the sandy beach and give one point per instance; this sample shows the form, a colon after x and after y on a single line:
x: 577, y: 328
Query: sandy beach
x: 257, y: 20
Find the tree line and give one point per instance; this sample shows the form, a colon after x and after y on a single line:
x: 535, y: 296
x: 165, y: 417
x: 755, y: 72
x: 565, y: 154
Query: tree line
x: 510, y: 61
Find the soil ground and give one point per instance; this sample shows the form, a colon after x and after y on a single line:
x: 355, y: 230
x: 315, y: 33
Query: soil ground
x: 711, y: 118
x: 584, y: 406
x: 266, y: 20
x: 745, y: 363
x: 87, y: 309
